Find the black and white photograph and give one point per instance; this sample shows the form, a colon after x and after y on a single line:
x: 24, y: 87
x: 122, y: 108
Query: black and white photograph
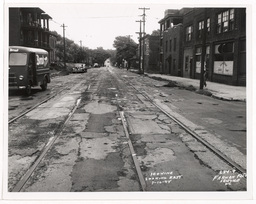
x: 127, y: 101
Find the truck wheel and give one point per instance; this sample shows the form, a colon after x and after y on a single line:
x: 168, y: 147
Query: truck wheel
x: 44, y: 85
x: 28, y: 90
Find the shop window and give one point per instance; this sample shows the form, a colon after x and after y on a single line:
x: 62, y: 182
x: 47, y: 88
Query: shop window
x: 224, y: 58
x: 186, y: 63
x: 207, y: 57
x: 198, y: 59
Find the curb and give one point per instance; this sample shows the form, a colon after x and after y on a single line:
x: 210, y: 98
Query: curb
x: 182, y: 85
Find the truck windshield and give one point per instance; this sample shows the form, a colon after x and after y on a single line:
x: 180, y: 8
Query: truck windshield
x: 18, y: 59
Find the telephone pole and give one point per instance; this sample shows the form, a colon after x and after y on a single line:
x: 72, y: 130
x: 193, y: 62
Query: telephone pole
x: 143, y: 39
x: 202, y: 77
x: 80, y: 43
x: 140, y: 36
x: 64, y: 43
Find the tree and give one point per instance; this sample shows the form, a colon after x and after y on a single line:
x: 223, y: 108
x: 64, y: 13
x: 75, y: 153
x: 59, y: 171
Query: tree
x: 125, y: 49
x: 155, y: 33
x: 78, y: 54
x: 99, y: 55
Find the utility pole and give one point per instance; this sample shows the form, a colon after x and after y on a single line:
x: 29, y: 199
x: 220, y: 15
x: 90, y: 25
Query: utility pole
x: 64, y: 44
x: 143, y: 39
x: 140, y: 35
x: 80, y: 43
x: 203, y: 51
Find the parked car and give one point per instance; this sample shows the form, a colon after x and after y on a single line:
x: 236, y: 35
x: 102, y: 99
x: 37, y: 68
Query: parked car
x: 79, y: 69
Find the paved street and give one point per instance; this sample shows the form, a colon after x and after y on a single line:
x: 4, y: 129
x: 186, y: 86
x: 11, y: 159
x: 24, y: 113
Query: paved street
x: 108, y: 130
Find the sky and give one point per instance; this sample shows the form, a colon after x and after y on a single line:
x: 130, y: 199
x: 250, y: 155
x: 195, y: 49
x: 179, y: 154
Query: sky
x: 97, y: 24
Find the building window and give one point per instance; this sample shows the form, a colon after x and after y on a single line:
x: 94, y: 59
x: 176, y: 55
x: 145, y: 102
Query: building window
x: 224, y: 58
x: 207, y: 58
x: 30, y: 20
x: 162, y: 27
x: 166, y: 46
x: 21, y: 17
x: 170, y: 45
x: 231, y: 19
x: 200, y: 29
x: 186, y: 63
x: 208, y: 28
x: 198, y: 59
x: 167, y: 24
x: 189, y: 31
x: 174, y: 46
x: 225, y: 21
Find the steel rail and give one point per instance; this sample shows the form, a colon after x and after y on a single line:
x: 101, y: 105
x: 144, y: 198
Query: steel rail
x: 195, y: 135
x: 46, y: 148
x: 35, y: 106
x: 134, y: 156
x: 55, y: 135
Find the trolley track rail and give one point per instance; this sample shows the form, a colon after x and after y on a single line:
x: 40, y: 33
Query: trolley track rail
x: 54, y: 136
x: 192, y: 133
x: 34, y: 107
x: 56, y: 133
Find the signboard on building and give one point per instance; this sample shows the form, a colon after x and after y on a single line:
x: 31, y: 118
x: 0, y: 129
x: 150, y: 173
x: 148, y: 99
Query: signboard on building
x: 223, y: 67
x: 198, y: 67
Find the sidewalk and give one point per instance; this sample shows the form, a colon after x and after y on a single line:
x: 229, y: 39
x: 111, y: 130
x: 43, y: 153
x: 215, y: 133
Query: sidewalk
x: 220, y: 91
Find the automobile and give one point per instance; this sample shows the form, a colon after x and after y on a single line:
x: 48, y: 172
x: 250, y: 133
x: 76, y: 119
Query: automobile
x: 96, y: 65
x: 79, y: 69
x: 28, y: 67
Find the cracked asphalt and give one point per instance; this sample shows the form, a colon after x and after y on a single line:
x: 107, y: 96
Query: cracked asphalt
x: 91, y: 153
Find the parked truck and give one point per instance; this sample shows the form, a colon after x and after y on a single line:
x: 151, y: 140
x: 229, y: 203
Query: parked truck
x: 28, y: 67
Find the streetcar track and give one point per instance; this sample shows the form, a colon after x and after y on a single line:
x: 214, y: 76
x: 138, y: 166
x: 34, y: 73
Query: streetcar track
x: 43, y: 101
x: 54, y: 136
x: 133, y: 153
x: 44, y: 151
x: 192, y: 133
x: 34, y: 107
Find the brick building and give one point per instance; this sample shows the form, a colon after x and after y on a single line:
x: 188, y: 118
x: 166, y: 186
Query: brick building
x: 151, y: 62
x: 29, y: 27
x: 224, y: 46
